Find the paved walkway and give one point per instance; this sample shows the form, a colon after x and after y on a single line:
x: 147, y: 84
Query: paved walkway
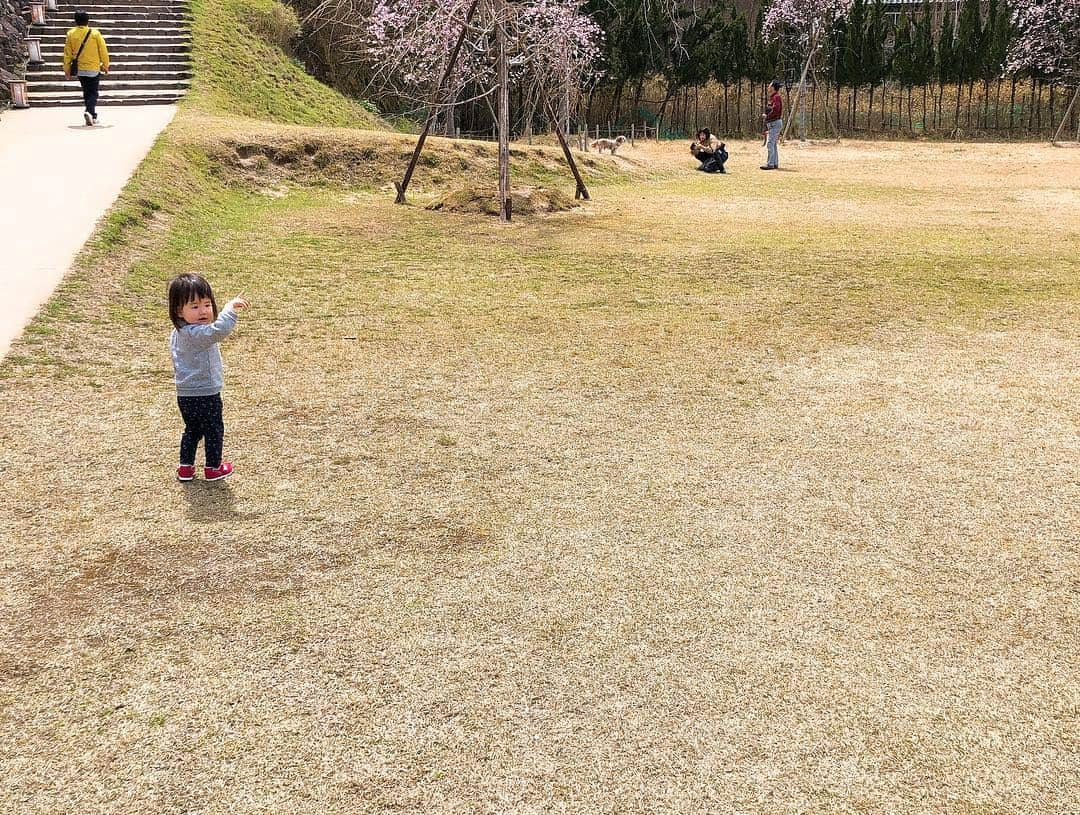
x: 58, y: 178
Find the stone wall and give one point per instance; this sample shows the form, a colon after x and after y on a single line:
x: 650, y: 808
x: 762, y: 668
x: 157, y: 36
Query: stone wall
x: 12, y: 49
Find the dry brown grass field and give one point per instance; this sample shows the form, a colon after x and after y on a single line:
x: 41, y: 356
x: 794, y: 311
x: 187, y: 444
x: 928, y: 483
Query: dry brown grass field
x: 753, y: 493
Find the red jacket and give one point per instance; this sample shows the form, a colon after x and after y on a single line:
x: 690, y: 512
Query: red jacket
x: 776, y: 107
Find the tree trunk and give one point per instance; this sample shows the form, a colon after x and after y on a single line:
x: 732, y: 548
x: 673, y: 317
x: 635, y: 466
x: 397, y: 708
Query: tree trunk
x: 1052, y: 119
x: 637, y: 97
x: 997, y: 106
x: 616, y: 105
x: 504, y: 114
x: 924, y: 116
x: 564, y: 111
x: 838, y: 119
x: 1012, y: 102
x: 956, y: 113
x: 1031, y: 107
x: 738, y: 104
x: 870, y: 110
x: 663, y: 108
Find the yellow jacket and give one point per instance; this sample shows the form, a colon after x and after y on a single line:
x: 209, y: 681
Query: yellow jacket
x: 94, y: 57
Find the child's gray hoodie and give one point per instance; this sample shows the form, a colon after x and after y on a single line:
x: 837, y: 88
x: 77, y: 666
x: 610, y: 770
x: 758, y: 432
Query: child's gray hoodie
x: 195, y: 355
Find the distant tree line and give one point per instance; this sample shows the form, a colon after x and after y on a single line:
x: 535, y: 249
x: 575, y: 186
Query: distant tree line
x: 936, y: 67
x: 934, y: 51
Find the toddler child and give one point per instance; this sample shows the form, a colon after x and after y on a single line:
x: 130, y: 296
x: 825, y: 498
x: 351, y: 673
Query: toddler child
x: 197, y: 366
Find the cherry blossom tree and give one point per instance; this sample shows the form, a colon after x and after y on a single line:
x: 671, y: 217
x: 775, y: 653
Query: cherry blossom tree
x: 805, y: 21
x: 429, y: 52
x: 404, y: 45
x: 1047, y: 39
x: 1047, y: 44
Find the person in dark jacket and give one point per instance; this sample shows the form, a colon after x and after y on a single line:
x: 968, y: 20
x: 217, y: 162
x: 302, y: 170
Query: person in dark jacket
x: 710, y: 151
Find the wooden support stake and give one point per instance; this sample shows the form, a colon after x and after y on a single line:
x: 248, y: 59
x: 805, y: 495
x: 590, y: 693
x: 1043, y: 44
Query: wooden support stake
x: 403, y: 185
x: 581, y: 191
x: 802, y: 89
x: 1065, y: 118
x: 504, y: 115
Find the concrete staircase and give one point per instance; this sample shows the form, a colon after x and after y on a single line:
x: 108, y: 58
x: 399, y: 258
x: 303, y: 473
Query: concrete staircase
x: 149, y: 44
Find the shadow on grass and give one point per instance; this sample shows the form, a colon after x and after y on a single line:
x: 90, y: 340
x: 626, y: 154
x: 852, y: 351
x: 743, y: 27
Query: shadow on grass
x: 212, y: 501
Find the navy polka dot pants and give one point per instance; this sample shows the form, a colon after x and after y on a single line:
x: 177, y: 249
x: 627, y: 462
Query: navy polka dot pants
x: 202, y: 420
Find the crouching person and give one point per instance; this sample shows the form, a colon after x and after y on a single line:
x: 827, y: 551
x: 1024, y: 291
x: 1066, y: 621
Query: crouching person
x: 710, y: 151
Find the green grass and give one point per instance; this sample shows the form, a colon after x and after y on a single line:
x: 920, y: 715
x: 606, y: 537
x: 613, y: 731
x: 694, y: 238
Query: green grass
x: 236, y: 73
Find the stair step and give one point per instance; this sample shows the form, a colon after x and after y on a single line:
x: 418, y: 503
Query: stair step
x: 136, y: 57
x: 178, y: 85
x: 110, y: 23
x: 106, y: 98
x: 71, y: 8
x: 149, y: 38
x: 100, y: 13
x: 114, y: 17
x: 132, y: 49
x: 54, y: 74
x: 156, y: 29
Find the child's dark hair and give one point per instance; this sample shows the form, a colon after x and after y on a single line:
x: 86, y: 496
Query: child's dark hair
x: 82, y: 18
x: 185, y: 288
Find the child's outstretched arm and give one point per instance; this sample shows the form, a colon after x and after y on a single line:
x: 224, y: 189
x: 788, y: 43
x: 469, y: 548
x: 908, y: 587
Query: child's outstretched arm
x: 223, y: 326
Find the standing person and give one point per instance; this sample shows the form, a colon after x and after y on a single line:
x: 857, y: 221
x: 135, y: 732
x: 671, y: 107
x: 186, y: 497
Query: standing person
x: 773, y: 124
x: 198, y: 371
x: 86, y: 57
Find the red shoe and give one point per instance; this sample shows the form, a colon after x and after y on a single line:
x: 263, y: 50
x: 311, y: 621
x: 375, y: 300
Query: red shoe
x: 185, y: 472
x: 218, y: 473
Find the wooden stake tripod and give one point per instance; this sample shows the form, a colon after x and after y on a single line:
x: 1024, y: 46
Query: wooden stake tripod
x: 800, y: 94
x: 503, y: 119
x: 1065, y: 118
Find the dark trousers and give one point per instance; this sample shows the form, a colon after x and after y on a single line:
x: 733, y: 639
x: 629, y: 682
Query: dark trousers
x: 90, y: 86
x: 713, y: 162
x: 202, y: 420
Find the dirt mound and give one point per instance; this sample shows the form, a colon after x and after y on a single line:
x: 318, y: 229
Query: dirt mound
x: 525, y: 201
x: 266, y: 156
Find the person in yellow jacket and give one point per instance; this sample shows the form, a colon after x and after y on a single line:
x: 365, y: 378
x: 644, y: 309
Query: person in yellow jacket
x: 93, y: 62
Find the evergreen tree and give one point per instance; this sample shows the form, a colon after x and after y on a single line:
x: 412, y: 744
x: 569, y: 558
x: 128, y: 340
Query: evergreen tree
x: 946, y: 57
x: 765, y: 59
x: 874, y: 64
x: 922, y: 47
x: 922, y: 54
x: 730, y: 55
x: 902, y: 66
x: 851, y: 56
x: 999, y: 31
x: 969, y: 51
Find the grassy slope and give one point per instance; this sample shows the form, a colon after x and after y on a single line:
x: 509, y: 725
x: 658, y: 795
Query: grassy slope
x: 237, y: 74
x: 725, y: 494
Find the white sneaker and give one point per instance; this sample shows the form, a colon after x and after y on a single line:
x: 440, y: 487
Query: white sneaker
x: 88, y: 118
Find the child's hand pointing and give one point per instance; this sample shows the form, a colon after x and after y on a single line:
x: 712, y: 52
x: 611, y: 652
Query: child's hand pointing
x: 237, y: 303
